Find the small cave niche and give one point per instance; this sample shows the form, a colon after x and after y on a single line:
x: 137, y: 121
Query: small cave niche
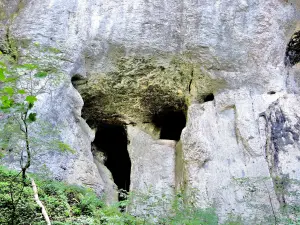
x: 170, y: 122
x: 292, y: 54
x: 271, y: 92
x: 111, y: 139
x: 78, y: 79
x: 209, y: 97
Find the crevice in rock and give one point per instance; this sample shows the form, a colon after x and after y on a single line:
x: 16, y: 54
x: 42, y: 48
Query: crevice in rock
x: 170, y: 122
x: 279, y: 133
x: 111, y: 139
x: 179, y: 169
x: 8, y: 46
x: 292, y: 54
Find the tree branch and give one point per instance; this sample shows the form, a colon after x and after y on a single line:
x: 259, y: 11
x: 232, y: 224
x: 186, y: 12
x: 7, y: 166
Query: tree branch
x: 36, y: 197
x: 28, y: 162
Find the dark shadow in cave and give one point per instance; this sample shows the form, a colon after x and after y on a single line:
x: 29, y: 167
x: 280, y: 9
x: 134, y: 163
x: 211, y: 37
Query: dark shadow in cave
x: 112, y: 141
x: 271, y: 92
x: 170, y: 122
x: 292, y: 54
x: 77, y: 79
x: 209, y: 97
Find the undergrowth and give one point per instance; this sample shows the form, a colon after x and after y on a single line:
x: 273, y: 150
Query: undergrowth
x: 75, y: 205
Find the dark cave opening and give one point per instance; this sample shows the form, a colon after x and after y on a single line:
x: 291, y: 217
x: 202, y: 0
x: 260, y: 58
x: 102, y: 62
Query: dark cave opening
x: 271, y: 92
x: 112, y: 140
x: 209, y: 97
x: 77, y: 79
x: 292, y: 54
x: 170, y: 122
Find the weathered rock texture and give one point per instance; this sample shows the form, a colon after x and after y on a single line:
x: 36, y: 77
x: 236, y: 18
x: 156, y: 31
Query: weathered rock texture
x: 152, y: 171
x: 132, y: 60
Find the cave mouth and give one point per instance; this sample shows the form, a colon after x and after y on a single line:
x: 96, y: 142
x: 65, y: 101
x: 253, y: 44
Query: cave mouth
x: 170, y: 122
x: 111, y: 139
x: 292, y: 54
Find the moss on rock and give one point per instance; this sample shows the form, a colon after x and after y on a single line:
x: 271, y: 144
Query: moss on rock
x: 140, y: 87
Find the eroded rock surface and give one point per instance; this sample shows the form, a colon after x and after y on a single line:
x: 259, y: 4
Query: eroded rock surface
x: 132, y: 60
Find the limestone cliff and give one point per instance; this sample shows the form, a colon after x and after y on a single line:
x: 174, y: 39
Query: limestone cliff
x: 221, y: 71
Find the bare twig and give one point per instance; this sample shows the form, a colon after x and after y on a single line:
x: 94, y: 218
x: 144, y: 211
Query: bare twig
x: 36, y: 197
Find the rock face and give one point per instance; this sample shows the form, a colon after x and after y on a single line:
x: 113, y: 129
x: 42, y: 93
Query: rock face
x: 138, y: 63
x: 152, y: 171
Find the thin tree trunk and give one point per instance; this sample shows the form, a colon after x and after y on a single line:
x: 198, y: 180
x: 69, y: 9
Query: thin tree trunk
x: 28, y: 162
x: 36, y: 197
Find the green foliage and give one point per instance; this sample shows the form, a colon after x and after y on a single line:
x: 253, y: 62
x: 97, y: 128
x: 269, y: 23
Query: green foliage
x: 71, y: 205
x: 29, y: 66
x: 26, y: 210
x: 41, y: 74
x: 191, y: 216
x: 32, y: 117
x: 63, y: 147
x: 64, y: 203
x: 20, y: 86
x: 74, y: 205
x: 2, y: 76
x: 31, y: 99
x: 15, y: 79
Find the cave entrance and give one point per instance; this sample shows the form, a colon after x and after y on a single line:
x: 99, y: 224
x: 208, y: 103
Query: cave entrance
x: 171, y: 122
x: 112, y: 141
x: 292, y: 54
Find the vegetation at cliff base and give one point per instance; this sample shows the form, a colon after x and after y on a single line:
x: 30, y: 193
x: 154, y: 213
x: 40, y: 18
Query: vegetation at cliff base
x: 65, y: 204
x: 75, y: 205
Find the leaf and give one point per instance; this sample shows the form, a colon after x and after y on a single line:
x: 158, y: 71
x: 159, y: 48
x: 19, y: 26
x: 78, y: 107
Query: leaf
x: 6, y: 102
x: 10, y: 79
x: 2, y: 64
x: 2, y: 76
x: 31, y: 99
x: 32, y: 117
x: 41, y: 74
x: 4, y: 98
x: 4, y: 110
x: 22, y: 92
x: 30, y: 66
x: 8, y: 90
x: 30, y: 105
